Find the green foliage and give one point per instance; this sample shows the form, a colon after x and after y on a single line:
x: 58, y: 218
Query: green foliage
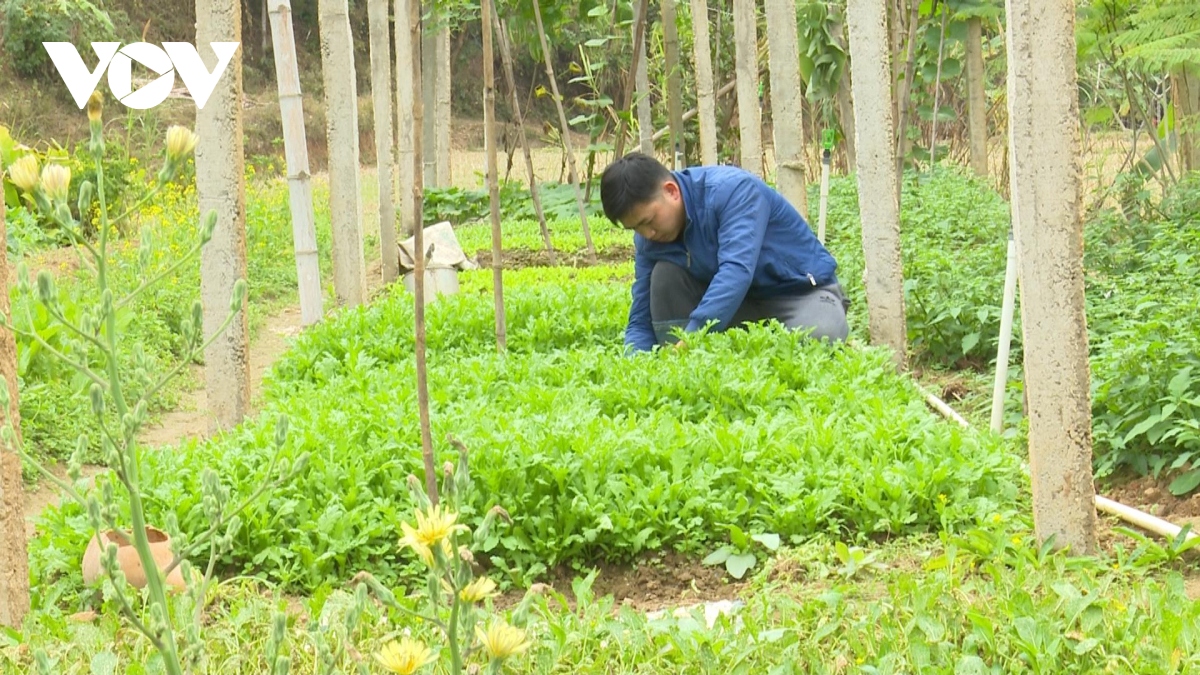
x: 598, y: 456
x: 29, y: 23
x: 462, y: 205
x: 986, y: 600
x: 1162, y: 35
x: 953, y: 233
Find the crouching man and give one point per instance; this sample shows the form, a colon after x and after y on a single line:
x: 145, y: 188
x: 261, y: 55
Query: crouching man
x: 717, y: 244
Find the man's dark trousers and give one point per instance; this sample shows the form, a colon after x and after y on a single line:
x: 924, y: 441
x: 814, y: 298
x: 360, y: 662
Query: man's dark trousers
x: 675, y: 294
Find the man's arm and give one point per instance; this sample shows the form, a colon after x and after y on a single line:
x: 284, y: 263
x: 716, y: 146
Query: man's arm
x: 741, y: 226
x: 639, y: 333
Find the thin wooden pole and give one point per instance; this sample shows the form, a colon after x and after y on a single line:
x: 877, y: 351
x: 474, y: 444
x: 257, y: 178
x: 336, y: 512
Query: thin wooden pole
x: 419, y: 255
x: 639, y: 31
x: 573, y: 175
x: 489, y: 136
x: 506, y: 58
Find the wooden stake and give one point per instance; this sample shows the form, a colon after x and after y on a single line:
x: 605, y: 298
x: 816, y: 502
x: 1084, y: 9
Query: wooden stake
x: 573, y: 175
x: 489, y: 135
x: 419, y: 256
x: 506, y: 58
x: 639, y: 31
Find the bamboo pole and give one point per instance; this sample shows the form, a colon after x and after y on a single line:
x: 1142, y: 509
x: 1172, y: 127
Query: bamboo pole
x: 642, y: 90
x: 489, y: 136
x: 573, y: 174
x: 404, y: 118
x: 295, y: 149
x: 639, y: 32
x: 506, y: 59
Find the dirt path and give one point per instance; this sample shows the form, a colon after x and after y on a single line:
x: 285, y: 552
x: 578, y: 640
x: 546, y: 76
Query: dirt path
x: 190, y: 419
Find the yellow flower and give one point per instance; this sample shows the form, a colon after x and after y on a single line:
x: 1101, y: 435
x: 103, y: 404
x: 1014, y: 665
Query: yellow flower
x: 404, y: 657
x: 180, y: 142
x: 435, y: 525
x: 24, y: 173
x: 56, y: 178
x: 478, y: 590
x: 502, y: 640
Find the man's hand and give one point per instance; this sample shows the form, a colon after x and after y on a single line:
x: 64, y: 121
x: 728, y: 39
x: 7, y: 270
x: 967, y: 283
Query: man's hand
x: 679, y: 346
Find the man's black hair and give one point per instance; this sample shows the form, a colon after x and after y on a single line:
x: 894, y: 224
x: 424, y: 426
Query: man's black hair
x: 634, y: 179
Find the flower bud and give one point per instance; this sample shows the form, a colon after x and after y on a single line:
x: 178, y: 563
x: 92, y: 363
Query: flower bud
x: 97, y: 395
x: 239, y: 295
x: 95, y: 106
x: 281, y: 430
x: 46, y: 291
x: 24, y: 173
x: 23, y: 277
x: 207, y: 225
x: 86, y: 189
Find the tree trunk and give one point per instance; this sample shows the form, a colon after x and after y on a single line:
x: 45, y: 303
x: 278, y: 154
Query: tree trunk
x: 976, y: 98
x: 220, y: 186
x: 904, y: 97
x: 1186, y: 93
x: 879, y: 201
x: 14, y: 561
x: 787, y: 100
x: 573, y: 176
x: 674, y: 82
x: 706, y: 103
x: 506, y: 57
x: 642, y: 87
x: 845, y: 101
x: 295, y: 148
x: 441, y: 97
x: 1044, y: 128
x: 341, y: 121
x: 489, y: 135
x: 745, y: 34
x: 639, y: 33
x: 404, y: 118
x: 385, y: 167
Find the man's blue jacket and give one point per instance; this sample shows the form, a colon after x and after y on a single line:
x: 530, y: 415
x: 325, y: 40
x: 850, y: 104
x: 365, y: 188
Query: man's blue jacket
x: 741, y: 236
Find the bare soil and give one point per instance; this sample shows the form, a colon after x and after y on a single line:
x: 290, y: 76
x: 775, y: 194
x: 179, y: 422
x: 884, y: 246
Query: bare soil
x: 520, y: 258
x: 660, y: 581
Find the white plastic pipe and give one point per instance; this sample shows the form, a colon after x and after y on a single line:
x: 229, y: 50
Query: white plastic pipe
x: 1129, y: 514
x: 946, y: 411
x: 824, y: 196
x: 1141, y: 519
x: 1006, y: 323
